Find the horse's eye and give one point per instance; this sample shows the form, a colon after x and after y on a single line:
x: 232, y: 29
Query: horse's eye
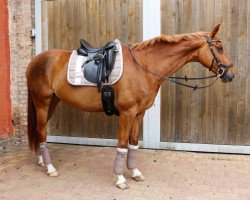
x: 219, y: 49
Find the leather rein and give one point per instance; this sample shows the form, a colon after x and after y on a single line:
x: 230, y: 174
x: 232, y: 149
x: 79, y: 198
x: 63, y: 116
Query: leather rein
x: 222, y: 69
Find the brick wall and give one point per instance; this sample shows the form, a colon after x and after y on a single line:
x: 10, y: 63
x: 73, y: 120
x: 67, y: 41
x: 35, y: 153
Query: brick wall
x: 21, y: 21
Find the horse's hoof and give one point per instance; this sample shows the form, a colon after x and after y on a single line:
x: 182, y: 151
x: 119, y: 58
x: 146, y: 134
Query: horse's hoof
x: 139, y: 178
x: 53, y: 174
x: 123, y: 186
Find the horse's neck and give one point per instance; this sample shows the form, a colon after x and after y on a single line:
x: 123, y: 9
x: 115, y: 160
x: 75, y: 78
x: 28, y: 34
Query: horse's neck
x: 167, y: 58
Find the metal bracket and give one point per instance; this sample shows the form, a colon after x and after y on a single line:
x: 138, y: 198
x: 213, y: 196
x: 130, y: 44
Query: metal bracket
x: 33, y: 33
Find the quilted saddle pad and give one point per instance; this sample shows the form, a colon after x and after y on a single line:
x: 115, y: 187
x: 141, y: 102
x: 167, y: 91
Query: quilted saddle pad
x: 75, y: 74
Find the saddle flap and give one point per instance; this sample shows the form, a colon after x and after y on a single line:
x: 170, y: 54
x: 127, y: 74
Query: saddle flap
x: 93, y: 72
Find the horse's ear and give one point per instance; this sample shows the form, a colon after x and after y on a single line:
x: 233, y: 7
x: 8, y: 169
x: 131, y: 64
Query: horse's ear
x: 215, y: 31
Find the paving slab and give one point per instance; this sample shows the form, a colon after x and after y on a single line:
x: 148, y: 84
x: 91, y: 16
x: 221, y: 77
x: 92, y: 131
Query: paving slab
x: 85, y: 172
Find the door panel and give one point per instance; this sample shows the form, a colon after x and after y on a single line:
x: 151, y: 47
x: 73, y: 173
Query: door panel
x: 219, y: 114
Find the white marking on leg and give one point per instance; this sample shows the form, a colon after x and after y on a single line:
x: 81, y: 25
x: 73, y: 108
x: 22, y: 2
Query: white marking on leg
x: 136, y: 173
x: 120, y: 179
x: 130, y: 146
x: 121, y: 182
x: 122, y: 150
x: 51, y: 170
x: 40, y: 160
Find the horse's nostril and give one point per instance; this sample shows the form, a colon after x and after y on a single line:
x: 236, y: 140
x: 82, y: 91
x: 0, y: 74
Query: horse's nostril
x: 230, y: 75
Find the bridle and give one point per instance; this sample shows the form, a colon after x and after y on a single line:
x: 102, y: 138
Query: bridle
x: 222, y: 69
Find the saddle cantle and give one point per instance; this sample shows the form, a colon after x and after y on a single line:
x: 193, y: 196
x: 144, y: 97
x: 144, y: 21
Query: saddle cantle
x: 100, y: 61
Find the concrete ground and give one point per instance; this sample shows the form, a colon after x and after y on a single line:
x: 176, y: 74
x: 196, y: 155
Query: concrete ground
x: 86, y: 173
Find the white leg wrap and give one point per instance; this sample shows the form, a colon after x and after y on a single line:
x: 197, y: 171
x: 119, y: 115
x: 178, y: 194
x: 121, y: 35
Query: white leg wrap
x: 122, y: 150
x: 130, y: 146
x: 43, y: 150
x: 132, y: 163
x: 120, y: 160
x: 132, y: 156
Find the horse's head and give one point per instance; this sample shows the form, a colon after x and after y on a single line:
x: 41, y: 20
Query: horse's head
x: 213, y: 56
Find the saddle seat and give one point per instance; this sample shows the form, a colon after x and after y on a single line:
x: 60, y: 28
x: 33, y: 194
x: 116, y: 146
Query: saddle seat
x: 100, y: 61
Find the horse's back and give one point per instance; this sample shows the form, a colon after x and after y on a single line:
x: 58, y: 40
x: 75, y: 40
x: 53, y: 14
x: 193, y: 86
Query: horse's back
x: 47, y: 59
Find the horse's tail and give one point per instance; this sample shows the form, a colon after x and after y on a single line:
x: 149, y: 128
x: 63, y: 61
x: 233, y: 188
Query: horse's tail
x: 32, y: 124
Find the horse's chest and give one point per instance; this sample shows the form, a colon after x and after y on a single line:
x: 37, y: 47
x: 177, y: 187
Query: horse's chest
x: 146, y: 102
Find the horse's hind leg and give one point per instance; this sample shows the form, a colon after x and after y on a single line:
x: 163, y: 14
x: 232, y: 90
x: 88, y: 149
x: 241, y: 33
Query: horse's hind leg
x: 133, y: 149
x: 53, y: 103
x: 42, y: 105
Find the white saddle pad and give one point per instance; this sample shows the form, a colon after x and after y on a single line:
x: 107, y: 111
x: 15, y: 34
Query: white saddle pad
x: 75, y: 74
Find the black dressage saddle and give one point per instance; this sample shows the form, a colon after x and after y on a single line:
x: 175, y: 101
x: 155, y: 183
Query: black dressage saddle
x: 97, y: 68
x: 100, y: 61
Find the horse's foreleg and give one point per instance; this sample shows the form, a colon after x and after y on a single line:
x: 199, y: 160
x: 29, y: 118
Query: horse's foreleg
x: 133, y: 149
x: 126, y: 121
x: 42, y: 151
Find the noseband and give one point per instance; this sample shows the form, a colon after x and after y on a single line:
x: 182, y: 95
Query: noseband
x: 222, y: 68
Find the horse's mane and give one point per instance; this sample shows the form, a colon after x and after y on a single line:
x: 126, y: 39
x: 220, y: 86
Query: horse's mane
x: 169, y: 39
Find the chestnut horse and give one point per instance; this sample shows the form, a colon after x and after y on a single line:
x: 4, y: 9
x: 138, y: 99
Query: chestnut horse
x: 145, y: 65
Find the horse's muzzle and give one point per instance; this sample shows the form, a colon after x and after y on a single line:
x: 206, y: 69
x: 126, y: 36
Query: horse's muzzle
x: 227, y: 77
